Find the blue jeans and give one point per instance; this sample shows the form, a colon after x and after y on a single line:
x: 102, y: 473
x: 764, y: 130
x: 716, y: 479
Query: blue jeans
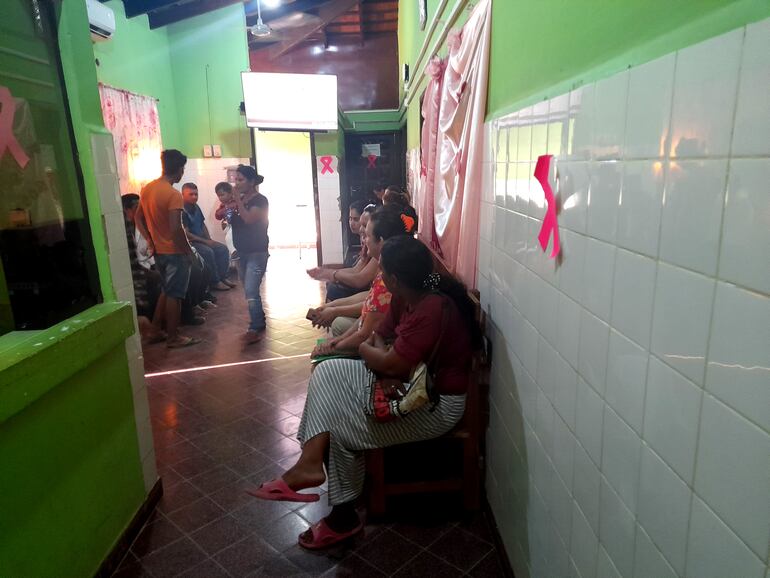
x: 252, y: 267
x: 217, y: 258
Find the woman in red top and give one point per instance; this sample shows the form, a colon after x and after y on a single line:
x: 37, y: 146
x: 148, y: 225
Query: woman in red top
x: 334, y: 426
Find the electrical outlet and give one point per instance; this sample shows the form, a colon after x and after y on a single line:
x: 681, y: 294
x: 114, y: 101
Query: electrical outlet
x: 217, y: 150
x: 207, y: 151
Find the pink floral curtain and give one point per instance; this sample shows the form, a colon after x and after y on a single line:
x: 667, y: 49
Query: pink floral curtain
x: 459, y: 163
x: 133, y: 121
x: 431, y: 106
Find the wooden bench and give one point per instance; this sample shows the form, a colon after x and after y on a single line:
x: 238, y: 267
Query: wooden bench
x: 467, y: 436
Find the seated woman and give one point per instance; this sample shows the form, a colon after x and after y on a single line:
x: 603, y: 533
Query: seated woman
x: 339, y: 313
x: 427, y: 312
x: 397, y: 196
x: 384, y: 224
x: 351, y: 280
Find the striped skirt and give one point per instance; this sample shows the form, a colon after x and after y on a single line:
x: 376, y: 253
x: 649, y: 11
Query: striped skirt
x: 335, y: 403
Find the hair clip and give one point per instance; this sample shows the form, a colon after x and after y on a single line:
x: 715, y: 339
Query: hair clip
x: 432, y: 281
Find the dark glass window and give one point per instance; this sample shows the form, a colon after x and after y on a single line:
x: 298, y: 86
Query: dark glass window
x: 48, y: 268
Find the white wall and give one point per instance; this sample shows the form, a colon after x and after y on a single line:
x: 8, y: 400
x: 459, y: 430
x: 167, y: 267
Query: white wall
x: 206, y: 173
x: 630, y: 397
x: 332, y: 251
x: 106, y: 172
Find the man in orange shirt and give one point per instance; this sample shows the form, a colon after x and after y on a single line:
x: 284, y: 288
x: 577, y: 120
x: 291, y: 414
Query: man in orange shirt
x: 159, y: 220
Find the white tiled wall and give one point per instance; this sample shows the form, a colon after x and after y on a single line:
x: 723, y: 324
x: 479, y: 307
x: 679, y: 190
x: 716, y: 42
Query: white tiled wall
x: 630, y: 401
x: 206, y: 173
x: 329, y: 210
x: 105, y: 169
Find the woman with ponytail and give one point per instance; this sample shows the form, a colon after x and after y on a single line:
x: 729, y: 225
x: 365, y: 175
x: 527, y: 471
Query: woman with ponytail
x: 430, y: 322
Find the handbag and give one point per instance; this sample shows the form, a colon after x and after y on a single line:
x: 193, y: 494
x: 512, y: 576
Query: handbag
x: 408, y: 396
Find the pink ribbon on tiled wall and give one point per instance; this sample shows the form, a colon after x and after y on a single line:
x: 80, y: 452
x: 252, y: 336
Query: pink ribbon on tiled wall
x: 550, y: 225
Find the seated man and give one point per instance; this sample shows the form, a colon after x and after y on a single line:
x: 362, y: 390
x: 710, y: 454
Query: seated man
x: 342, y: 283
x: 147, y: 283
x: 215, y: 254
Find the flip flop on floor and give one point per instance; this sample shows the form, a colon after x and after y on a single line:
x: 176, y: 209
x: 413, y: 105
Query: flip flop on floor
x: 322, y: 536
x: 279, y: 490
x: 157, y: 338
x: 183, y: 342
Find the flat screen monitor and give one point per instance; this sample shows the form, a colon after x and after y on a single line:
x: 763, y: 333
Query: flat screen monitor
x: 290, y: 101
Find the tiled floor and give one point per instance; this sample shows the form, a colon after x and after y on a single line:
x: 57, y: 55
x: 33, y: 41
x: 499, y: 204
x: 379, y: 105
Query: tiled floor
x: 221, y: 430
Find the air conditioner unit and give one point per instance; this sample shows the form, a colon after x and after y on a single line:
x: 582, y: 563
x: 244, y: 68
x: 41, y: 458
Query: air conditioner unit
x: 101, y: 20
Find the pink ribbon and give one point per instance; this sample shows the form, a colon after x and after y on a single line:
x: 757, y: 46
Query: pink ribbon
x: 550, y: 225
x: 327, y: 165
x: 7, y: 138
x: 372, y: 159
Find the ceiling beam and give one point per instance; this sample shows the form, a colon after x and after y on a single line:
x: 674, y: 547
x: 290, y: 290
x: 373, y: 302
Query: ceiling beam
x: 139, y: 7
x: 327, y: 13
x: 173, y: 14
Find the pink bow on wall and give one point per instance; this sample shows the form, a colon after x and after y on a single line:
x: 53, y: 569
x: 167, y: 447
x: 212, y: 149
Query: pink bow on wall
x: 326, y: 163
x: 7, y: 138
x: 550, y: 225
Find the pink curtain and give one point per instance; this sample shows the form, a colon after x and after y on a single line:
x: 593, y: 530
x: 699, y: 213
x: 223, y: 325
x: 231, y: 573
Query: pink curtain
x: 133, y: 121
x: 457, y: 194
x: 431, y: 106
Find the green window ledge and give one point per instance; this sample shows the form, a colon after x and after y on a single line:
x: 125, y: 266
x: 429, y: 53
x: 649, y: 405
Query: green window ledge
x: 34, y: 362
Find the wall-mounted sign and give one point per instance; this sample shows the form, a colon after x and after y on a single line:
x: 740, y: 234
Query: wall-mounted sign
x: 368, y: 150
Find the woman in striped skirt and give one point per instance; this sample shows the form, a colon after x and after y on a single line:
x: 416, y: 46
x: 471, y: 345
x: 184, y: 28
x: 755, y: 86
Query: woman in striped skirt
x: 430, y: 317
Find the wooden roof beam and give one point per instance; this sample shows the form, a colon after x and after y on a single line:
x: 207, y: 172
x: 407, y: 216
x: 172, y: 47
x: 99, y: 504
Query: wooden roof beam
x: 327, y: 13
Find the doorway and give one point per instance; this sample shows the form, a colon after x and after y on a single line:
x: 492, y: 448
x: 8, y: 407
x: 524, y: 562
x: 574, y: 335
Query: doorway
x: 283, y: 158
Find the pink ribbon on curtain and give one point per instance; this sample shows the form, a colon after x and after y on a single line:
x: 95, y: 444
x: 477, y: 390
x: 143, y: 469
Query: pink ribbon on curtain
x: 372, y: 160
x: 327, y: 165
x: 7, y: 138
x: 550, y: 225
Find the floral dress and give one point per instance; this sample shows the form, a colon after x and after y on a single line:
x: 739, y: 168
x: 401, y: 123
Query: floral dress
x: 377, y: 301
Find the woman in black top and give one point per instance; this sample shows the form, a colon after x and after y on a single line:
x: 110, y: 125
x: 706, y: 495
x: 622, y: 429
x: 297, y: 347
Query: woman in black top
x: 250, y: 238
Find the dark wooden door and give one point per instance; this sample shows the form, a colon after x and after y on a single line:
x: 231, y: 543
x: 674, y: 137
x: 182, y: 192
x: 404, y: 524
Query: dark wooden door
x: 371, y: 158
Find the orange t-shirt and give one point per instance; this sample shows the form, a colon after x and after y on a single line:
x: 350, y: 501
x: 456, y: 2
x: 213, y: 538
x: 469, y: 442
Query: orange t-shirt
x: 158, y: 198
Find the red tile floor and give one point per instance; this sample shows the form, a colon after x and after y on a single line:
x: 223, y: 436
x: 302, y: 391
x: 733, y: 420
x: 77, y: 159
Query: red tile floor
x: 220, y: 429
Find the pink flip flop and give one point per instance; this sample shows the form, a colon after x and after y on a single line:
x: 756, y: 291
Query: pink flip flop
x: 325, y: 537
x: 279, y: 490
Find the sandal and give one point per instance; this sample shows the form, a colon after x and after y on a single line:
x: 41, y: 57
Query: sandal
x: 322, y: 536
x: 279, y: 490
x: 183, y: 342
x: 156, y: 338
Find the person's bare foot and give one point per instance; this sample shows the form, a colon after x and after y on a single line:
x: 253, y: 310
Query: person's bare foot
x: 300, y: 478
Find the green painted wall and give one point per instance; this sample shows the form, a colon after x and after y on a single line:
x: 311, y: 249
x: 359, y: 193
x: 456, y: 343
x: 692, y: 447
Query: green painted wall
x: 71, y: 473
x: 215, y: 42
x: 372, y: 120
x: 171, y: 64
x: 137, y: 59
x: 544, y: 48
